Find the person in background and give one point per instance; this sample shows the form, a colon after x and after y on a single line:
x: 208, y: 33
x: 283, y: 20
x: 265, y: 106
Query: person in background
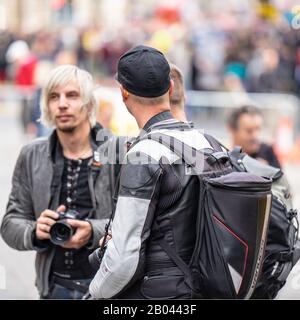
x: 105, y: 113
x: 245, y: 126
x: 23, y: 64
x: 177, y: 97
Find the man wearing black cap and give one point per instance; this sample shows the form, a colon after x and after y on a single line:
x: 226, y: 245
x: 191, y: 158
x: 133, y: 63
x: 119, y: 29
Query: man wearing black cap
x: 156, y: 196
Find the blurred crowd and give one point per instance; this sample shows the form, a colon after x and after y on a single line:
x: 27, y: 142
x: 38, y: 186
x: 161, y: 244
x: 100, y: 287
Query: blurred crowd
x: 232, y: 48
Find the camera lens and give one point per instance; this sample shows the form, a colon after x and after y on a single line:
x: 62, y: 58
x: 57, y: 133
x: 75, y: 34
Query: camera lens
x: 60, y: 232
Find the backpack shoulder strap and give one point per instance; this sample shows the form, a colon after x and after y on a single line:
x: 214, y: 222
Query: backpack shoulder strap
x: 191, y: 156
x: 217, y: 145
x: 173, y: 255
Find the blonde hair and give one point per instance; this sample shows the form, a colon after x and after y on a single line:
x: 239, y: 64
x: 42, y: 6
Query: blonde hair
x: 61, y: 76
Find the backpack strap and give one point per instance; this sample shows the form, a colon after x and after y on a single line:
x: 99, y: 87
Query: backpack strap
x: 217, y: 145
x: 173, y: 255
x: 191, y: 156
x: 236, y: 158
x: 115, y: 174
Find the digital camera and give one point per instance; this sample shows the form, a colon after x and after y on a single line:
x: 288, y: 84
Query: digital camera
x: 61, y: 231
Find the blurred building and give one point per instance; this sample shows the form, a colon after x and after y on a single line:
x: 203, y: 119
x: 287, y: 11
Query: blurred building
x: 32, y: 15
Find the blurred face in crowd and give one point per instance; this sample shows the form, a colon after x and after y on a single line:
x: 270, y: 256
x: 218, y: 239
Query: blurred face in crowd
x: 66, y: 107
x: 248, y: 132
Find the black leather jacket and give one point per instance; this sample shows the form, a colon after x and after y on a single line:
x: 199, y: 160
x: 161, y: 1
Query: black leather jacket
x: 152, y: 192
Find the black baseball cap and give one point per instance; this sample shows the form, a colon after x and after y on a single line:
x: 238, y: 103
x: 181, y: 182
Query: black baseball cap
x: 144, y: 72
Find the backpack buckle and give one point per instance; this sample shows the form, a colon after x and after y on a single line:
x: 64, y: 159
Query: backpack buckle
x: 286, y: 256
x: 217, y: 157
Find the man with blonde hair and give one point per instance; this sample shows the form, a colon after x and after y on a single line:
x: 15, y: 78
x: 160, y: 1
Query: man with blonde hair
x: 61, y: 177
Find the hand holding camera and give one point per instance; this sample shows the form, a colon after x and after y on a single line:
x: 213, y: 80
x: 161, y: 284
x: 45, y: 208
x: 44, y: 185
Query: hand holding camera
x: 45, y: 221
x: 81, y: 236
x: 63, y: 228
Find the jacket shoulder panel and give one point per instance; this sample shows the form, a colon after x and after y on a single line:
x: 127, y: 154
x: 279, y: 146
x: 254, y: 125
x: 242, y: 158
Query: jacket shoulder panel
x: 40, y: 144
x: 151, y: 149
x: 192, y: 138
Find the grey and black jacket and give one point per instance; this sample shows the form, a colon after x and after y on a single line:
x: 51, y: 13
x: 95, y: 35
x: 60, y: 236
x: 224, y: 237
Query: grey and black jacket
x: 152, y: 193
x: 36, y: 185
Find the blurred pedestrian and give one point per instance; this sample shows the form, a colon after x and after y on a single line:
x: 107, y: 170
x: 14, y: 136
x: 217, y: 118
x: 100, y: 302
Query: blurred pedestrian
x: 23, y: 62
x: 177, y: 97
x: 245, y: 125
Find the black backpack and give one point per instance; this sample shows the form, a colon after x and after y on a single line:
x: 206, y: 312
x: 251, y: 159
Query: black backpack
x: 232, y: 223
x: 282, y: 249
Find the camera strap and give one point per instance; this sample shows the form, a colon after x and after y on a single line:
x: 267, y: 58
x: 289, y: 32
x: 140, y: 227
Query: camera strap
x: 113, y: 210
x: 114, y: 177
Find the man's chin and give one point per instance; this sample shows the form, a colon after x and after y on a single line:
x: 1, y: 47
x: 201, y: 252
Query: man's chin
x: 252, y: 150
x: 66, y: 128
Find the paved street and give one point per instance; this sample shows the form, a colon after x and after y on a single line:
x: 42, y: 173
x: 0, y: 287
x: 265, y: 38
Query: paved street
x: 17, y: 268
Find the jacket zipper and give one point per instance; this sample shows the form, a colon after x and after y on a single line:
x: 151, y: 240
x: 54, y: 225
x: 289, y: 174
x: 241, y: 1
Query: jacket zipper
x: 91, y: 185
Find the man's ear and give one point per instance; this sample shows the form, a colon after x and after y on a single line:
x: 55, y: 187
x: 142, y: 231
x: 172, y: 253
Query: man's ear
x: 171, y: 87
x: 124, y: 92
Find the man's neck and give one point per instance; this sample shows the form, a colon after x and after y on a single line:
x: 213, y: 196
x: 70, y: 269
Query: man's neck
x: 76, y: 144
x: 143, y: 117
x: 179, y: 115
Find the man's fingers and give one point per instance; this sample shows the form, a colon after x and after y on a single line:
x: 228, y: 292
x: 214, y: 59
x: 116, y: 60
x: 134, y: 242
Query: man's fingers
x: 77, y: 241
x: 43, y: 235
x: 74, y: 223
x: 81, y: 236
x: 44, y: 228
x: 68, y: 246
x: 50, y: 214
x: 46, y: 236
x: 47, y: 221
x: 107, y: 239
x: 72, y: 244
x: 61, y: 208
x: 77, y: 223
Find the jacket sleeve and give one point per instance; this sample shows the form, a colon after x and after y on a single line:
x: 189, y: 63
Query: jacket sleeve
x: 98, y: 230
x: 111, y: 154
x: 123, y: 262
x: 18, y: 225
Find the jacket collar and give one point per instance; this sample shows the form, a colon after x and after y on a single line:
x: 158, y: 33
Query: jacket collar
x: 165, y: 115
x: 54, y: 146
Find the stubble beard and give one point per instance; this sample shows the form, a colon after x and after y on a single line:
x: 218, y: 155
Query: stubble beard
x: 67, y: 129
